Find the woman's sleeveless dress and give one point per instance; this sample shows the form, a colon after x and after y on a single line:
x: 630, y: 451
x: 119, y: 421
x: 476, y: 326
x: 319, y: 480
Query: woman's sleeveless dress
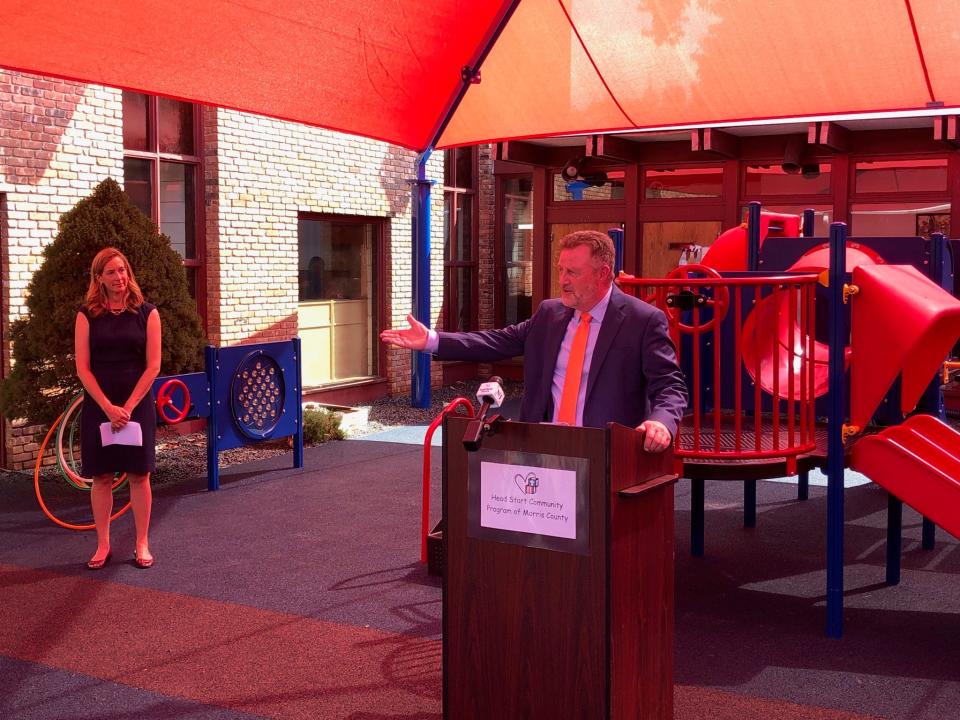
x: 118, y: 356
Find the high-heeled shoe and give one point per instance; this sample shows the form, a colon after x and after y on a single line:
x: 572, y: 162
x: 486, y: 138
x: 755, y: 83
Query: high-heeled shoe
x: 98, y: 564
x: 142, y: 563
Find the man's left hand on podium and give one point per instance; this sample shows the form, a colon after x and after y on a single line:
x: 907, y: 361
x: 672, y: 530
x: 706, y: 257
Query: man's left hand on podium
x: 656, y: 437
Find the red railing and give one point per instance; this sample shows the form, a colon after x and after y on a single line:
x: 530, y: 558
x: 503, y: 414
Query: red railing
x: 427, y: 439
x: 767, y: 368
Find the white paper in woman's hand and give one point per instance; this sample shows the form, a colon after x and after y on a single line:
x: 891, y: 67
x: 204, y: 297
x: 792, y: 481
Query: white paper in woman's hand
x: 129, y: 434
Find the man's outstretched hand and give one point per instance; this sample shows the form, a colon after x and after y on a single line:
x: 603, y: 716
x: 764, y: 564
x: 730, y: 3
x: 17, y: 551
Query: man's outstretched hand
x: 412, y: 338
x: 656, y: 437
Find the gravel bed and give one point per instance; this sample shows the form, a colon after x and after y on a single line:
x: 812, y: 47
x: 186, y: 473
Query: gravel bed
x: 388, y: 413
x: 184, y: 457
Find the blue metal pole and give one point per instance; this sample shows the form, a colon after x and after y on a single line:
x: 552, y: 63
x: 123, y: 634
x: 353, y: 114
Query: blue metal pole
x: 212, y: 361
x: 836, y: 418
x: 697, y: 516
x: 616, y: 234
x: 298, y: 436
x: 749, y: 503
x: 753, y: 236
x: 809, y: 216
x: 894, y: 538
x: 469, y: 75
x: 941, y: 273
x: 420, y: 361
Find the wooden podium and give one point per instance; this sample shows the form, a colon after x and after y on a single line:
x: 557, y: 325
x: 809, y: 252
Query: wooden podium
x: 569, y: 616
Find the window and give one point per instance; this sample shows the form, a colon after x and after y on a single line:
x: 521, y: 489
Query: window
x: 664, y: 242
x: 517, y: 247
x: 687, y: 183
x: 901, y: 176
x: 161, y: 172
x: 772, y: 179
x: 592, y: 186
x: 338, y: 314
x: 460, y: 239
x: 902, y: 197
x: 899, y: 219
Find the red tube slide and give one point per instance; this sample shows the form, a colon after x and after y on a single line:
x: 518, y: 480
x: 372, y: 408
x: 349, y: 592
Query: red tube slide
x: 772, y: 318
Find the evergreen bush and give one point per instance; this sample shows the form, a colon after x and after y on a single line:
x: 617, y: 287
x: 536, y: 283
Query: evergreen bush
x: 43, y: 377
x: 321, y: 425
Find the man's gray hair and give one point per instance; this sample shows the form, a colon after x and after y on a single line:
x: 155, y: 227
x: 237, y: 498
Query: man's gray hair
x: 600, y: 244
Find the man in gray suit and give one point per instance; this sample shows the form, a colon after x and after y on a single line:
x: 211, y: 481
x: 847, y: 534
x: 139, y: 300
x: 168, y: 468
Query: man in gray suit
x: 592, y: 356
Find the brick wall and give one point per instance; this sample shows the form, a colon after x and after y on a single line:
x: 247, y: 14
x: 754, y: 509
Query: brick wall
x: 264, y: 174
x: 486, y: 197
x: 58, y: 140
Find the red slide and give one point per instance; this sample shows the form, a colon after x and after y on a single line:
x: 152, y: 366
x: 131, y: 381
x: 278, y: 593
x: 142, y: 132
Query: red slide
x: 918, y: 462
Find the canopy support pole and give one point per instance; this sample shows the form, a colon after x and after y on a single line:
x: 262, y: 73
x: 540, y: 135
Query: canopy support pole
x: 420, y: 362
x: 420, y: 230
x: 838, y: 334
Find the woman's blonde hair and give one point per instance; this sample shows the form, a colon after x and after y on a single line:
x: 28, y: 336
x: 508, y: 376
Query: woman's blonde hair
x: 97, y: 299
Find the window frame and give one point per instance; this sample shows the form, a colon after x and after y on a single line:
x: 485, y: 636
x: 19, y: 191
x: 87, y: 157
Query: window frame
x: 744, y: 195
x: 888, y: 197
x: 155, y: 157
x: 451, y: 290
x: 382, y: 231
x: 674, y: 203
x: 499, y: 256
x: 898, y: 198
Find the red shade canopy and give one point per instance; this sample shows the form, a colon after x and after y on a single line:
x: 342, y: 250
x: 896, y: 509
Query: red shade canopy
x: 391, y: 69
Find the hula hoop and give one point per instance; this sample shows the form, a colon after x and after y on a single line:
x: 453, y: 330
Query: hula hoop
x: 68, y: 468
x: 36, y: 481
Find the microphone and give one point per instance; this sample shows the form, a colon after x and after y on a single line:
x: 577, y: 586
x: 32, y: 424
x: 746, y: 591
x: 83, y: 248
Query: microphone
x: 490, y: 394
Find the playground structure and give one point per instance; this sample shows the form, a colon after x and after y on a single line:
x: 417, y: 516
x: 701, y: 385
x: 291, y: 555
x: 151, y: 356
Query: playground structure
x: 761, y: 371
x: 768, y: 387
x: 246, y: 394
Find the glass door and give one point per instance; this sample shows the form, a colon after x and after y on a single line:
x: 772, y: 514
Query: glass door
x: 338, y: 300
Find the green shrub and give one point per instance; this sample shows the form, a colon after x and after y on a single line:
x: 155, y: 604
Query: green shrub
x: 44, y: 378
x: 321, y: 425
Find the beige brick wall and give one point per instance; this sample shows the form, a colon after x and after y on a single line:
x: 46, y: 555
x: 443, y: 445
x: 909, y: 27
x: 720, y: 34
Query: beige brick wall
x: 58, y: 140
x: 265, y: 174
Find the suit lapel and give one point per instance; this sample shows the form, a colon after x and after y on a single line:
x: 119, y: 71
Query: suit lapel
x: 612, y: 319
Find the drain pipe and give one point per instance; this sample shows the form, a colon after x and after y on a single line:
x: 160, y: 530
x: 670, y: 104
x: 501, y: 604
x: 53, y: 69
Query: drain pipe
x: 420, y: 362
x: 469, y: 75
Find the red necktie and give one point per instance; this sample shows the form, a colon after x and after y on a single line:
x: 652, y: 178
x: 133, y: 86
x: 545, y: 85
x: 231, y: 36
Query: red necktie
x: 571, y: 381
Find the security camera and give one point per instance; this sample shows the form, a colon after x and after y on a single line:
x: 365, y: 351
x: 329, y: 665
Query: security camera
x: 571, y: 171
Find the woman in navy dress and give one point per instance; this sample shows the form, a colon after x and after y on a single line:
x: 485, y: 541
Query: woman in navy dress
x: 117, y: 344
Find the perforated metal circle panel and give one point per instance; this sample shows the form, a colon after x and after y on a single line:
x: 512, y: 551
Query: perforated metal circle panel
x: 257, y: 395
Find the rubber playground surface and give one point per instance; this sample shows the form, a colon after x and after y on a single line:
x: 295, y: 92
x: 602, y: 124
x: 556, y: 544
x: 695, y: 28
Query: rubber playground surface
x: 298, y: 594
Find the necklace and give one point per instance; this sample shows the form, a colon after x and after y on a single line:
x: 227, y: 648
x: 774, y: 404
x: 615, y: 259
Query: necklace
x: 117, y: 311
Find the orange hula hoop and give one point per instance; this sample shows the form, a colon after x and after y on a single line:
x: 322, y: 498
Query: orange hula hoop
x: 36, y: 487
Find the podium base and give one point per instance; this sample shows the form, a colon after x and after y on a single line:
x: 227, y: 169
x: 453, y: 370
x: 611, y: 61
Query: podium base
x: 436, y: 562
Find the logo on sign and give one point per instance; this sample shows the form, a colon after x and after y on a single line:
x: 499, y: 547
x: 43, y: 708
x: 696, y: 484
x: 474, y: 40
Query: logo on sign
x: 527, y: 484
